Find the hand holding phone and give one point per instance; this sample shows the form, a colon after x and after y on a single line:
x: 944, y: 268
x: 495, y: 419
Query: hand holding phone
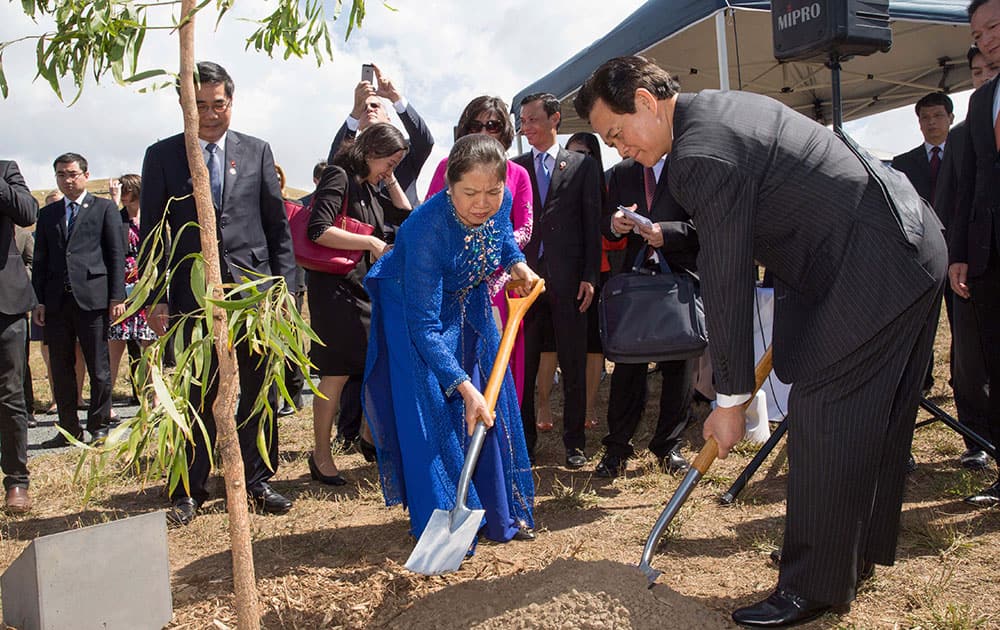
x: 368, y: 74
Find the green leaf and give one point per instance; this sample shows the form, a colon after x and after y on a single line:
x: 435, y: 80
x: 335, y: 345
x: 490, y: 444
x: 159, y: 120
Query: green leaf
x: 148, y: 74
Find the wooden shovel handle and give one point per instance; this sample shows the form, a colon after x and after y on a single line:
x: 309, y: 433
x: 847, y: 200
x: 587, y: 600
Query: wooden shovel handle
x: 516, y: 308
x: 710, y: 451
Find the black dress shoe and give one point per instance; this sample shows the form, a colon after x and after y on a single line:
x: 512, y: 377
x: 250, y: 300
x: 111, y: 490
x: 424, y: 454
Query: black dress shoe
x: 974, y: 459
x: 575, y: 458
x: 268, y: 500
x: 782, y: 609
x: 911, y: 464
x: 610, y: 467
x: 100, y: 435
x: 32, y: 423
x: 673, y: 462
x: 285, y: 410
x: 986, y: 498
x: 182, y: 512
x: 367, y: 450
x: 58, y: 441
x: 330, y: 480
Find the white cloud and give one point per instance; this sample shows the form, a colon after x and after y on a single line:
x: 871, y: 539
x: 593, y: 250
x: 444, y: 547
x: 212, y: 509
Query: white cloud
x: 442, y: 52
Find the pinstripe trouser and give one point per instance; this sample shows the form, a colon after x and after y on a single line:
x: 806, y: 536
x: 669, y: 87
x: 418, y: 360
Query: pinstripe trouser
x: 849, y: 436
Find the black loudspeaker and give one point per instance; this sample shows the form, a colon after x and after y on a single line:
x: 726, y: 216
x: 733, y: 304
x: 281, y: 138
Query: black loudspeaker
x: 810, y: 30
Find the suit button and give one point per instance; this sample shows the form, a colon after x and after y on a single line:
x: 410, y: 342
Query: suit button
x: 222, y: 223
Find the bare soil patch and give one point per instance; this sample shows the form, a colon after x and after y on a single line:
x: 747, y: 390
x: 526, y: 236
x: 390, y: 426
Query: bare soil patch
x: 335, y: 561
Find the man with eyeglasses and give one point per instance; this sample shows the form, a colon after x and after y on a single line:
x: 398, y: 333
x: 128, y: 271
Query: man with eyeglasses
x: 79, y: 279
x: 254, y: 241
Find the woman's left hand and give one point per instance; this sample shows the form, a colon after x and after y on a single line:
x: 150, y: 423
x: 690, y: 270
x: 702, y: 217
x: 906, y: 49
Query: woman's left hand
x: 521, y: 271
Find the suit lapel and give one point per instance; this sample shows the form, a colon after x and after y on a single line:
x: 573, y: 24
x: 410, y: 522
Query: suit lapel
x: 984, y: 119
x: 230, y: 167
x: 60, y: 218
x: 560, y: 172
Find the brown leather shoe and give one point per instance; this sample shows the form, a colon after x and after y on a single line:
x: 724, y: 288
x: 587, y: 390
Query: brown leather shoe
x: 17, y: 501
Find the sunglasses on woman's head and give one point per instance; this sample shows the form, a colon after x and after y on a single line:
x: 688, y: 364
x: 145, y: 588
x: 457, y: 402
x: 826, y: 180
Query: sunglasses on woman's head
x: 492, y: 126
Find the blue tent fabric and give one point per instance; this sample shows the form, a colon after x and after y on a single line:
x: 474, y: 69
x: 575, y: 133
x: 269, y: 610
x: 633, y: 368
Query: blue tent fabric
x: 659, y: 20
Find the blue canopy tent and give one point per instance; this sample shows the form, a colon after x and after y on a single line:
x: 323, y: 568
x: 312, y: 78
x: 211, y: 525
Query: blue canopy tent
x: 728, y: 45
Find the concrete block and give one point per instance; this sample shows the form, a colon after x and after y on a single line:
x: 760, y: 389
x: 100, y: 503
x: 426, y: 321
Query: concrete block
x: 110, y: 576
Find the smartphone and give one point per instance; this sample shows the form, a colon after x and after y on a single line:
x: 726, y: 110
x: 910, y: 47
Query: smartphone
x: 368, y: 74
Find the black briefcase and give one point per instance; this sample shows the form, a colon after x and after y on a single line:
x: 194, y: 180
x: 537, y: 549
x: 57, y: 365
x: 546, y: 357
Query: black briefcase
x: 649, y: 315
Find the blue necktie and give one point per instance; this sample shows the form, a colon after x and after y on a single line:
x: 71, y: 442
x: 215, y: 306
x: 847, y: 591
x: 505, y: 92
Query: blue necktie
x: 215, y: 174
x: 74, y: 210
x: 542, y: 176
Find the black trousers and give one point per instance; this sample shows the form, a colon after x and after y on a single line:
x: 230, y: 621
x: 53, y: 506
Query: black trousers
x: 255, y: 469
x: 63, y: 328
x: 849, y: 436
x: 29, y: 387
x: 560, y: 315
x: 968, y: 367
x: 295, y: 380
x: 13, y: 413
x: 985, y: 290
x: 627, y: 401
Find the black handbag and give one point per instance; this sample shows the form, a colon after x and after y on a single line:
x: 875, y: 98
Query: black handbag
x: 650, y: 315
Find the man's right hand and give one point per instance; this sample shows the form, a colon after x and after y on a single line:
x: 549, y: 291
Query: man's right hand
x: 958, y: 276
x: 159, y: 319
x: 363, y: 90
x: 39, y: 315
x: 620, y: 224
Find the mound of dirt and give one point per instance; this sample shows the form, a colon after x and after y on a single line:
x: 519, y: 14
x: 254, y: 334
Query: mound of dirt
x: 566, y: 594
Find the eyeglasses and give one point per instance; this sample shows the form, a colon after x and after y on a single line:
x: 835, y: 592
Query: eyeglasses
x: 68, y: 175
x: 218, y: 107
x: 491, y: 126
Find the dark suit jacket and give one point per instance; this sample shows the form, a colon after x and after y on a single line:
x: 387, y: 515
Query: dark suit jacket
x: 626, y: 186
x: 252, y: 226
x: 421, y: 143
x: 976, y: 221
x: 17, y: 207
x: 946, y: 192
x: 568, y: 222
x: 764, y: 183
x: 93, y: 256
x: 917, y: 168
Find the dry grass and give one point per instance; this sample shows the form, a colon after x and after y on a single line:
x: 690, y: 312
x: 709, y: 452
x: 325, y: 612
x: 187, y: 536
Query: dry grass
x: 336, y: 560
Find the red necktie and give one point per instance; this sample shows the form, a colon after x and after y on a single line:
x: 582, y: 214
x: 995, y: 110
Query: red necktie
x: 649, y: 178
x: 935, y: 167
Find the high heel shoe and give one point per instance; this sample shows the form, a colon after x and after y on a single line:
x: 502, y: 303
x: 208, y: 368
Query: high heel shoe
x: 330, y: 480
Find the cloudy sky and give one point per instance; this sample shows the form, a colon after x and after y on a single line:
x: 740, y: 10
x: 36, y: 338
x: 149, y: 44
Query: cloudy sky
x: 441, y: 52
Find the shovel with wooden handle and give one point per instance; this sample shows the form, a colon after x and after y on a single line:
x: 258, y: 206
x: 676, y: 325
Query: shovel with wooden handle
x: 448, y: 535
x: 694, y: 474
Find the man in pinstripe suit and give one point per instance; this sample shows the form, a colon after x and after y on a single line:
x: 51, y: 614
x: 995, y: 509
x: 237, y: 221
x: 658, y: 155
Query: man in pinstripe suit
x: 858, y: 261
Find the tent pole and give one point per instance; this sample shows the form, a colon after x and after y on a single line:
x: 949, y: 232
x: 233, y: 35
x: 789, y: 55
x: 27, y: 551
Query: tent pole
x: 838, y: 109
x: 723, y: 50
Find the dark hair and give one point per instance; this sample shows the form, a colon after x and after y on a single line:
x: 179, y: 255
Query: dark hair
x: 933, y: 100
x: 131, y: 183
x: 972, y: 54
x: 211, y: 72
x: 318, y: 169
x: 493, y: 105
x: 616, y: 81
x: 974, y: 6
x: 549, y: 102
x: 377, y: 141
x: 592, y: 143
x: 69, y: 158
x: 476, y: 150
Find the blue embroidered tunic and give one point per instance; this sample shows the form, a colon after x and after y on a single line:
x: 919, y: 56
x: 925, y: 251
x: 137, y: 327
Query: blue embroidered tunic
x: 433, y: 328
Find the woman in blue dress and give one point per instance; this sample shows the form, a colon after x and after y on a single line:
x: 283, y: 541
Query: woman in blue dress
x: 432, y: 345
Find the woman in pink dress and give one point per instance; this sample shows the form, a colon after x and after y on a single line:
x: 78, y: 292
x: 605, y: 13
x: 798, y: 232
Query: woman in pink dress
x: 489, y: 115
